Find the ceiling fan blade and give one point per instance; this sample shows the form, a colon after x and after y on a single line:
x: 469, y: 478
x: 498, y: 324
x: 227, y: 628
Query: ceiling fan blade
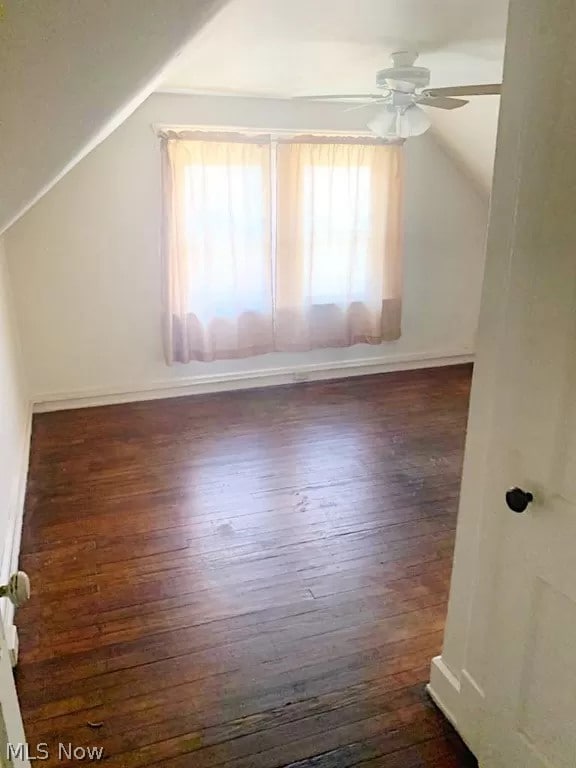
x: 442, y: 102
x: 465, y: 90
x: 338, y: 96
x: 366, y: 105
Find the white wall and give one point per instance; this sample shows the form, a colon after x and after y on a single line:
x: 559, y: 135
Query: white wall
x: 71, y: 69
x: 86, y: 270
x: 14, y: 433
x: 469, y: 137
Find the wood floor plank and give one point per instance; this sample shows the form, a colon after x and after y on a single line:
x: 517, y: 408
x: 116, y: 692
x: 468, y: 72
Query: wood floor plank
x: 249, y: 579
x: 203, y: 700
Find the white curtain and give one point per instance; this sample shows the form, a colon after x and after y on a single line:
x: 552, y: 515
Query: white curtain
x: 217, y: 245
x: 339, y: 243
x: 310, y: 258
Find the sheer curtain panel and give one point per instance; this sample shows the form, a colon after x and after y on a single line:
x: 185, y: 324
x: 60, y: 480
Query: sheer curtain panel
x: 339, y: 243
x: 216, y: 243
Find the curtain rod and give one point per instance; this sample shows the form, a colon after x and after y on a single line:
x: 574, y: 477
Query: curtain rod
x: 159, y: 127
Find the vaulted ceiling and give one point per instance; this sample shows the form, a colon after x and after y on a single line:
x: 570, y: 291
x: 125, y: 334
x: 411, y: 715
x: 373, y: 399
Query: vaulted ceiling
x: 286, y: 48
x: 73, y: 70
x: 70, y: 72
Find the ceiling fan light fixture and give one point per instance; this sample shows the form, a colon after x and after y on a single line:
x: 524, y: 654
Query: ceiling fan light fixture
x: 400, y: 123
x: 383, y: 124
x: 413, y: 122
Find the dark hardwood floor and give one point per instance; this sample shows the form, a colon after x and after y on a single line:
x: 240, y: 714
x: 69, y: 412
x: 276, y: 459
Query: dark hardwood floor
x: 252, y: 579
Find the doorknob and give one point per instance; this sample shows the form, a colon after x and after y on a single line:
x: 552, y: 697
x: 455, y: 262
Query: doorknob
x: 17, y: 590
x: 518, y: 500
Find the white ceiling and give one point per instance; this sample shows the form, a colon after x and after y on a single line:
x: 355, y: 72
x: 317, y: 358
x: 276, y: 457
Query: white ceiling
x: 285, y: 48
x: 71, y: 72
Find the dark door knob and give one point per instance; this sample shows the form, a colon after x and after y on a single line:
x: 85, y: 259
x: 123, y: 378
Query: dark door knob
x: 518, y: 500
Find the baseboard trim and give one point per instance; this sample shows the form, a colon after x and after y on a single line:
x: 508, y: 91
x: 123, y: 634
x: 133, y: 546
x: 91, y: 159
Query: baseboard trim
x: 168, y: 388
x: 13, y: 643
x: 11, y: 553
x: 444, y: 689
x: 461, y: 701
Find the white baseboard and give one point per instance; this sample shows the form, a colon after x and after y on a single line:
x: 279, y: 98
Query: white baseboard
x: 13, y: 643
x: 262, y: 377
x: 13, y: 534
x: 461, y: 701
x: 444, y: 689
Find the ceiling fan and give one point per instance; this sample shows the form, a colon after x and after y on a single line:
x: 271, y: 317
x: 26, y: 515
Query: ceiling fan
x: 402, y: 88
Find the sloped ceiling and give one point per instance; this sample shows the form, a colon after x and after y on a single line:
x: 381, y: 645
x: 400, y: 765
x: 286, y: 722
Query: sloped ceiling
x: 469, y: 136
x: 70, y: 72
x: 286, y: 48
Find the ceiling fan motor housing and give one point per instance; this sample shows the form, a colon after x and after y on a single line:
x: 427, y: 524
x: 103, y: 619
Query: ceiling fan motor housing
x: 417, y: 77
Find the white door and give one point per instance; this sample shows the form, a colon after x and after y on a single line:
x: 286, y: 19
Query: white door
x: 530, y: 689
x: 11, y: 728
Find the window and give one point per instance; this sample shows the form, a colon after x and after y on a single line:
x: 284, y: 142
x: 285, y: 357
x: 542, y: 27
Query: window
x: 336, y: 212
x: 223, y: 208
x: 279, y: 245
